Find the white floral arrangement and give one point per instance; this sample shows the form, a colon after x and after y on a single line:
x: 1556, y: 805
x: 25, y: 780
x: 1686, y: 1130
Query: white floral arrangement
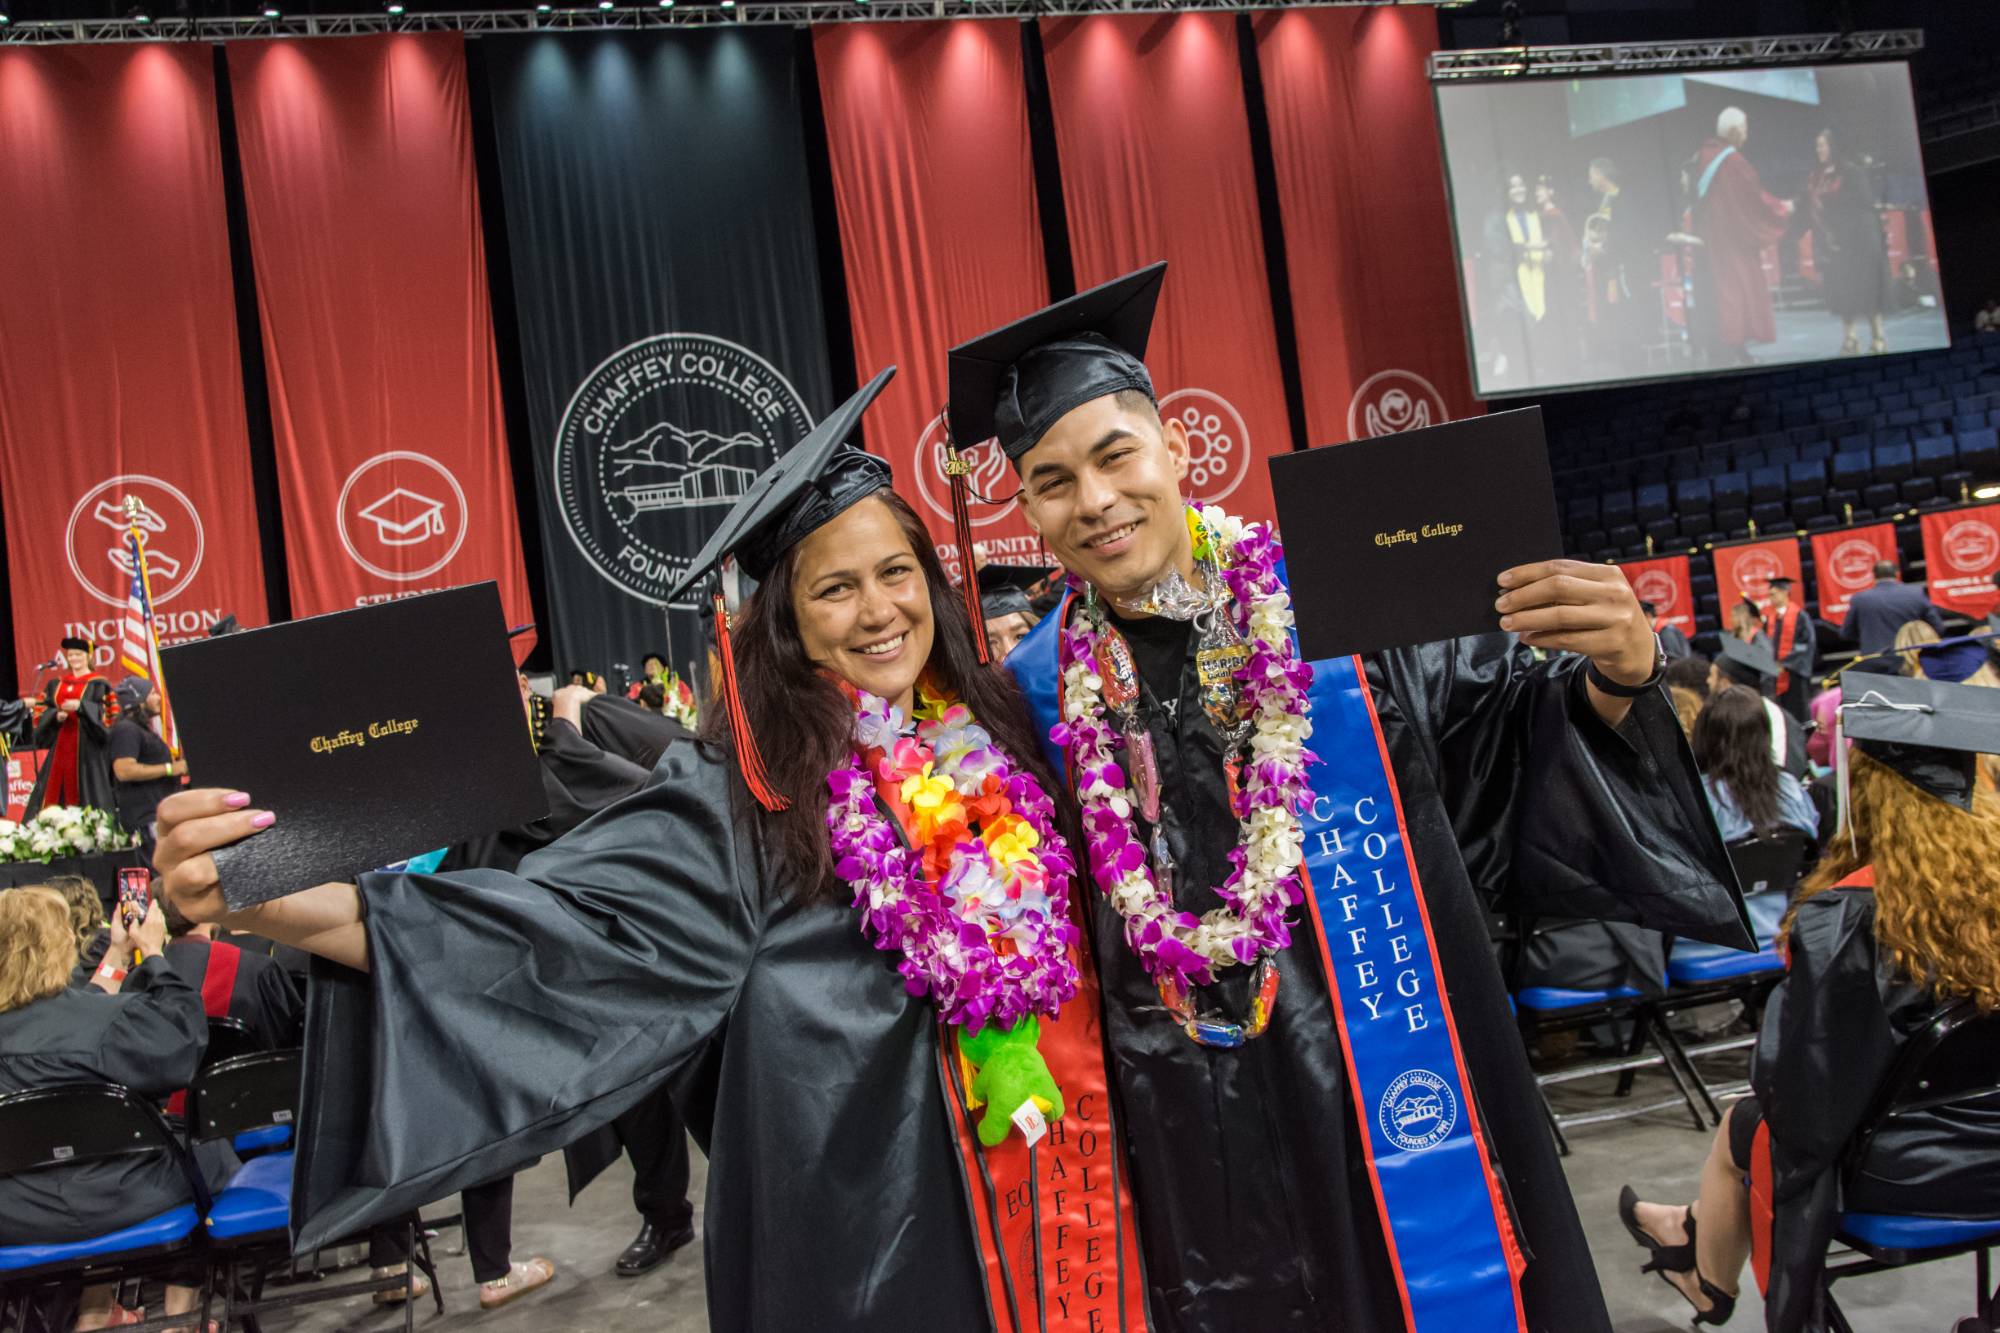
x: 63, y: 830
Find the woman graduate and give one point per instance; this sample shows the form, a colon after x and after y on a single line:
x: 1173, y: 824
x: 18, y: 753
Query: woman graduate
x: 835, y: 928
x: 1898, y: 923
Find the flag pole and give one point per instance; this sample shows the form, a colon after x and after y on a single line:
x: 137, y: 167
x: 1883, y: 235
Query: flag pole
x: 133, y: 505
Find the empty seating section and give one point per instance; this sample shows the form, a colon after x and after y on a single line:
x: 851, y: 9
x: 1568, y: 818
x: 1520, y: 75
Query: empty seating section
x: 1680, y: 466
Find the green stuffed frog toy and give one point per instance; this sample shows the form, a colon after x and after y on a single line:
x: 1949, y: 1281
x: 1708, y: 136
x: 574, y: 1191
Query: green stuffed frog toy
x: 1007, y: 1070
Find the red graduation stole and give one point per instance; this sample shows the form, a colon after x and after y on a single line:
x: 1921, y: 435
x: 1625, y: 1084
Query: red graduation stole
x: 218, y: 983
x: 1783, y: 627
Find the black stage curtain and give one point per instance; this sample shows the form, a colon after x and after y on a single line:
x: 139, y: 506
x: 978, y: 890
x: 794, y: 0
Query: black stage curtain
x: 673, y: 340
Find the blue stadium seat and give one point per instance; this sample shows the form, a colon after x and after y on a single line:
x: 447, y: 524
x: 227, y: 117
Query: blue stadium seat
x: 165, y: 1229
x: 1929, y: 394
x: 1768, y: 516
x: 1543, y: 999
x: 1917, y: 490
x: 1902, y: 418
x: 1894, y: 462
x: 1732, y: 521
x: 1851, y: 470
x: 1879, y: 498
x: 1692, y: 963
x: 1847, y: 444
x: 1936, y: 455
x: 1816, y: 451
x: 1732, y: 490
x: 1805, y: 508
x: 1806, y: 479
x: 1890, y: 402
x: 1616, y: 506
x: 1888, y: 1231
x: 1781, y: 455
x: 1694, y: 495
x: 1650, y: 503
x: 1893, y: 434
x: 1767, y: 485
x: 1936, y: 412
x: 1979, y: 452
x: 1583, y: 511
x: 1749, y: 460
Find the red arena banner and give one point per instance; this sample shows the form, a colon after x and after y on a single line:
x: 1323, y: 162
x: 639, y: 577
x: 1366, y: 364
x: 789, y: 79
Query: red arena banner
x: 378, y: 335
x: 1367, y: 235
x: 1961, y: 555
x: 119, y: 373
x: 1844, y: 562
x: 927, y: 127
x: 1665, y: 583
x: 1747, y: 568
x: 1155, y: 149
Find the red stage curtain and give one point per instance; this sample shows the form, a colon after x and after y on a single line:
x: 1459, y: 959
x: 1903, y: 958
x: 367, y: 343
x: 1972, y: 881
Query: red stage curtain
x: 119, y: 372
x: 378, y: 335
x: 927, y: 125
x: 1367, y: 238
x: 1155, y: 149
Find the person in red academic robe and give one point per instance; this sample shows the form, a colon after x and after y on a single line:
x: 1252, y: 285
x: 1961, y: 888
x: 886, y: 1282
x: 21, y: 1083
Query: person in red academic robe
x: 74, y: 730
x: 1736, y: 221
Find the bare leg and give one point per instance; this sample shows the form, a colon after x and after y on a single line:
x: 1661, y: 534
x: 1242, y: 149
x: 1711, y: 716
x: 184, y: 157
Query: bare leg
x: 182, y: 1300
x: 1852, y: 343
x: 95, y: 1307
x: 1722, y: 1211
x: 1881, y: 343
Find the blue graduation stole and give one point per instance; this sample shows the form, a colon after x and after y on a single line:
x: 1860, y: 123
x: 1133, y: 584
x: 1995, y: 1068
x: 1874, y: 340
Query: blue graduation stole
x: 1451, y: 1241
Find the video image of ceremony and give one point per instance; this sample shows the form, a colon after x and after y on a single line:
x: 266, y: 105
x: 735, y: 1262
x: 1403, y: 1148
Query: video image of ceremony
x: 1615, y: 228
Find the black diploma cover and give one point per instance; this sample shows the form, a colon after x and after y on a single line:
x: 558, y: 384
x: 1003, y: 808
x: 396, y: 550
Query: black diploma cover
x: 1399, y: 539
x: 373, y: 735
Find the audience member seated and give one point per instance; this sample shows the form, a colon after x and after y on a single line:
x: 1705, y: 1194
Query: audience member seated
x: 1750, y: 795
x: 1899, y: 920
x: 1686, y: 679
x: 141, y: 1028
x: 1750, y: 667
x: 86, y: 919
x: 243, y: 984
x: 1672, y: 642
x: 1878, y: 611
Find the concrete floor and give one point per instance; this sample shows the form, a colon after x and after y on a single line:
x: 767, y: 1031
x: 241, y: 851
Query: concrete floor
x: 1660, y: 1154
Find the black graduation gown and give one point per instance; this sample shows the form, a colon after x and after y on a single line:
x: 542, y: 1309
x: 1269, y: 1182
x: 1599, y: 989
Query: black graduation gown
x: 507, y: 1014
x: 1254, y: 1203
x: 93, y: 748
x: 1832, y: 1032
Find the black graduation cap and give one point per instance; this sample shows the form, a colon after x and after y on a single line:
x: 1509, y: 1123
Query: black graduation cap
x: 813, y: 484
x: 1929, y: 732
x: 818, y: 481
x: 71, y: 642
x: 1781, y: 581
x: 1020, y: 379
x: 1747, y: 663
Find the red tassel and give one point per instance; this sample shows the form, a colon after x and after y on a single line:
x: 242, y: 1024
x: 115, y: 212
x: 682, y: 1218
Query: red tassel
x: 748, y: 757
x: 957, y: 468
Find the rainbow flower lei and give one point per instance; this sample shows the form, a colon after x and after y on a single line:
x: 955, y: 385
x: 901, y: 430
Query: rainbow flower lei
x: 979, y: 905
x: 1176, y: 947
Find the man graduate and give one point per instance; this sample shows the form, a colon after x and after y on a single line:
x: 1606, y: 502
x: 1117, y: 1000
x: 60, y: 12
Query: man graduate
x: 1371, y: 1155
x: 72, y: 728
x: 1795, y: 643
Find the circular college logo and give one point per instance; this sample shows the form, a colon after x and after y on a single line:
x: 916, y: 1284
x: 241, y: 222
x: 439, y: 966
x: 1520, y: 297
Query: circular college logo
x: 1970, y: 545
x: 402, y: 506
x: 655, y: 446
x: 1658, y: 587
x: 1852, y: 563
x: 1754, y: 572
x: 992, y: 476
x: 169, y: 528
x: 1218, y: 442
x: 1417, y: 1111
x: 1390, y: 401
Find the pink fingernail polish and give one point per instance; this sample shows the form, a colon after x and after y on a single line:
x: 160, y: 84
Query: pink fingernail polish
x: 263, y: 819
x: 236, y: 800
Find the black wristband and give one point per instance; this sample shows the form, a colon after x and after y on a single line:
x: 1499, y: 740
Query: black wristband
x: 1611, y: 687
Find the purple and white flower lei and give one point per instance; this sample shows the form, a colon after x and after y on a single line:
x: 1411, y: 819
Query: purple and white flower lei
x: 1272, y: 793
x: 948, y: 951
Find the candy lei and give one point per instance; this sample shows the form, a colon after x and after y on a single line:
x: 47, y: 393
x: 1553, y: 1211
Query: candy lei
x: 978, y: 906
x: 1176, y: 947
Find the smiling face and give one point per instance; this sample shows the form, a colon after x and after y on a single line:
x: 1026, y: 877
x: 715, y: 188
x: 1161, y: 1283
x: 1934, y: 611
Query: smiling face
x: 862, y: 603
x: 79, y: 660
x: 1103, y: 488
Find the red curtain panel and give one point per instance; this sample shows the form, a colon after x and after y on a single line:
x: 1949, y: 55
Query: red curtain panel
x: 1155, y: 148
x: 1367, y: 241
x: 119, y: 373
x: 378, y: 334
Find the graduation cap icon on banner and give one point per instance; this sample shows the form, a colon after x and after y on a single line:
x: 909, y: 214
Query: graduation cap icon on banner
x: 404, y: 518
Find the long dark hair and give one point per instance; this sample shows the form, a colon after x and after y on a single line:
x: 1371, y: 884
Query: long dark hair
x: 802, y: 719
x: 1732, y: 744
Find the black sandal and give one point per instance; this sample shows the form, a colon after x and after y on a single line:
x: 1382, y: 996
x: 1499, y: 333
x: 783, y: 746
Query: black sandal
x: 1675, y: 1259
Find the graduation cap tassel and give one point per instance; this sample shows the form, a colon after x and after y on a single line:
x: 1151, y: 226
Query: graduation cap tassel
x: 958, y: 469
x: 748, y: 757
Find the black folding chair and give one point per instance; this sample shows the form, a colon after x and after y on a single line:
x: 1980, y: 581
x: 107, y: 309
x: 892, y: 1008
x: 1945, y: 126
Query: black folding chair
x: 1702, y: 975
x: 1955, y: 1063
x: 59, y: 1128
x: 249, y: 1224
x: 227, y: 1039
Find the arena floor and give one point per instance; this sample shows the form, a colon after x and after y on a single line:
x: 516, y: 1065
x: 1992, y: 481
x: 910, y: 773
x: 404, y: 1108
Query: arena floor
x: 1659, y: 1154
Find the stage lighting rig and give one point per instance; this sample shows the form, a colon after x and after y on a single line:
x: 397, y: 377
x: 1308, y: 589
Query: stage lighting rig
x: 394, y: 8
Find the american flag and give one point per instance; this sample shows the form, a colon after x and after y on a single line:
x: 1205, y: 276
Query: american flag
x: 139, y: 651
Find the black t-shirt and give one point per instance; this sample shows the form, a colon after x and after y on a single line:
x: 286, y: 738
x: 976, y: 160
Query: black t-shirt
x: 138, y: 800
x: 1159, y: 650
